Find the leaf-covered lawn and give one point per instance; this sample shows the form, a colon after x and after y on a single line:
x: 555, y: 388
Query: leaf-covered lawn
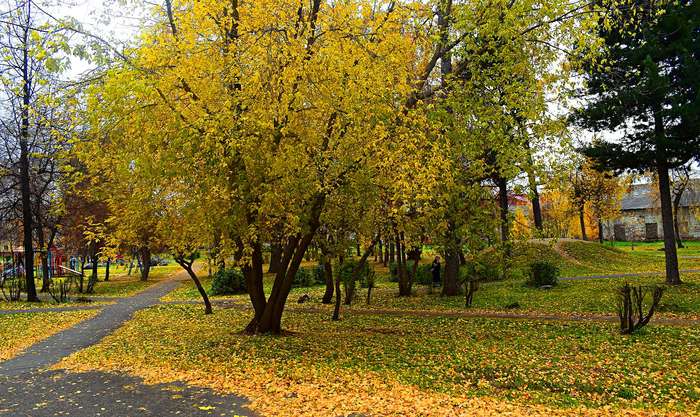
x: 123, y: 285
x: 383, y: 365
x: 20, y: 331
x: 23, y: 305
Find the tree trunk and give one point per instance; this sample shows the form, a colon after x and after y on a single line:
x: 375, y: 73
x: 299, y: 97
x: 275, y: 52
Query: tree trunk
x: 43, y: 250
x: 107, y: 269
x: 328, y: 278
x: 215, y: 251
x: 336, y: 308
x: 271, y: 320
x: 25, y: 180
x: 672, y: 273
x: 93, y: 276
x: 131, y: 265
x: 601, y: 238
x: 385, y: 261
x: 404, y: 290
x: 293, y: 254
x: 253, y: 273
x: 582, y: 222
x: 503, y: 206
x: 145, y: 255
x: 275, y: 258
x: 451, y: 286
x: 187, y: 266
x: 82, y: 273
x: 536, y: 206
x: 392, y: 258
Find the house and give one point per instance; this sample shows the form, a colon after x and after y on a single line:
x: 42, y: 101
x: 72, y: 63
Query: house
x: 640, y: 216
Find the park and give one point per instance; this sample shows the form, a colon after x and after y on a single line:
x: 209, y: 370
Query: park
x: 350, y: 208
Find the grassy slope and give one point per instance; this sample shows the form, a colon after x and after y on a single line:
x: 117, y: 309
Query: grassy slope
x: 576, y: 258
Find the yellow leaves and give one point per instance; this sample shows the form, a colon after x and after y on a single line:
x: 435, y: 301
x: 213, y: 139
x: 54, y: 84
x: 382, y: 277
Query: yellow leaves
x: 380, y: 366
x: 23, y: 330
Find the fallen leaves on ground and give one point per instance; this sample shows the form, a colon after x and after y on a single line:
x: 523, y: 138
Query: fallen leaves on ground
x: 22, y: 330
x: 400, y: 366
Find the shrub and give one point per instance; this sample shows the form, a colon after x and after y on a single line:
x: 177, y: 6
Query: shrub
x: 319, y: 273
x: 393, y: 272
x: 370, y: 280
x: 423, y: 274
x: 543, y: 273
x: 365, y: 278
x: 484, y: 267
x: 228, y: 281
x: 632, y: 309
x: 306, y: 277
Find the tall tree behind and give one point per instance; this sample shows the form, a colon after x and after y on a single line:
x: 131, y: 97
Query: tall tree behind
x: 28, y: 66
x: 646, y: 86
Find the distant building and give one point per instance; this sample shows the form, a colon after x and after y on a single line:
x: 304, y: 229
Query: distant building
x: 640, y: 216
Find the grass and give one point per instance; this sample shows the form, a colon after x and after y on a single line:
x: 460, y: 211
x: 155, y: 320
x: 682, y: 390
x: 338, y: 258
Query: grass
x: 23, y: 305
x: 577, y: 258
x: 122, y: 285
x: 22, y: 330
x: 691, y: 248
x: 119, y: 285
x: 567, y: 298
x: 386, y: 365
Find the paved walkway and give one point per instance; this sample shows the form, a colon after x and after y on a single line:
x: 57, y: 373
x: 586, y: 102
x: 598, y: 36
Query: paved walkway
x: 27, y: 389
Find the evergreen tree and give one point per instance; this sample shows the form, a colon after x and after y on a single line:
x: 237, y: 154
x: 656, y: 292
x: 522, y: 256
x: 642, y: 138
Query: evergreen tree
x: 646, y: 86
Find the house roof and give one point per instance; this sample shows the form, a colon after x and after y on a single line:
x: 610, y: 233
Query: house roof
x: 641, y: 197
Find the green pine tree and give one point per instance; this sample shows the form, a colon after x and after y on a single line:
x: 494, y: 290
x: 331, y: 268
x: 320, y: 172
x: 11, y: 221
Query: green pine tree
x: 646, y: 86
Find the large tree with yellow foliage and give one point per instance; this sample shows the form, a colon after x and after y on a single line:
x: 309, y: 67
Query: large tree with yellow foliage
x: 269, y: 121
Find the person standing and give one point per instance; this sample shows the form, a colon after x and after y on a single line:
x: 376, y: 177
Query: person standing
x: 435, y: 269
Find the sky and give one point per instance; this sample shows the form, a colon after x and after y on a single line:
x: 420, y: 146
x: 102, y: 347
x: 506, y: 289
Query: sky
x: 116, y: 20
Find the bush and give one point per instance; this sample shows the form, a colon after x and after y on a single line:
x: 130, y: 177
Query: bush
x: 319, y: 274
x: 365, y: 278
x: 393, y: 272
x: 484, y: 271
x: 543, y: 273
x: 306, y: 277
x: 423, y: 274
x: 228, y: 281
x: 632, y: 308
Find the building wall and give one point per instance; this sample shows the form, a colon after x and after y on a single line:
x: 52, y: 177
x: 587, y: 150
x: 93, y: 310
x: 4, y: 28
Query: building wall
x: 638, y: 225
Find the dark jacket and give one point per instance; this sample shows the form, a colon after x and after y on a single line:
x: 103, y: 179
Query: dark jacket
x: 435, y: 269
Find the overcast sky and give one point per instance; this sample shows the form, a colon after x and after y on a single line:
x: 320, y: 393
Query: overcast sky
x: 116, y: 20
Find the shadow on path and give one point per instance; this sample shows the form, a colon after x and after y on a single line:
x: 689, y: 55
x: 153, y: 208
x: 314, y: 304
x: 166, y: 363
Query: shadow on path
x: 90, y: 394
x: 26, y: 389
